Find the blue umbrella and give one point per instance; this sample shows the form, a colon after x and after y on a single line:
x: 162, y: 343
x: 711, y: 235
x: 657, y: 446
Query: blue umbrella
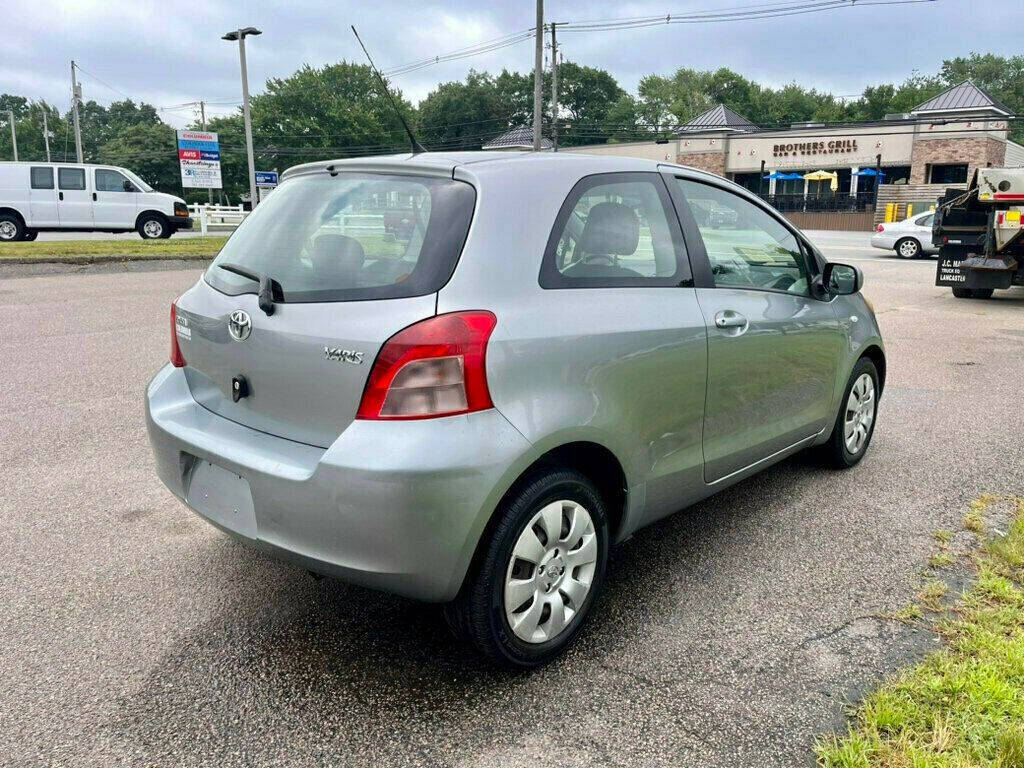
x: 780, y: 176
x: 869, y: 172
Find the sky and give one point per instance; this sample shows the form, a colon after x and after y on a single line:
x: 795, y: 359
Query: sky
x: 169, y: 53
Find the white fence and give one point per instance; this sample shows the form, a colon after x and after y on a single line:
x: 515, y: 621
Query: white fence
x: 216, y: 217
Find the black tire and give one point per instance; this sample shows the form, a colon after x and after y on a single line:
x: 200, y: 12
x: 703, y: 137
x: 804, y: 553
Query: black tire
x: 12, y: 229
x: 478, y: 613
x: 973, y: 293
x: 152, y: 226
x: 30, y: 235
x: 907, y: 248
x: 835, y: 452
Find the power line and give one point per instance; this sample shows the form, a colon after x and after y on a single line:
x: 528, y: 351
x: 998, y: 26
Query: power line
x: 778, y: 8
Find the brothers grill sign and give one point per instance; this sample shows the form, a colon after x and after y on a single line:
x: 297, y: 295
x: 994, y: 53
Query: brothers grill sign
x: 833, y: 147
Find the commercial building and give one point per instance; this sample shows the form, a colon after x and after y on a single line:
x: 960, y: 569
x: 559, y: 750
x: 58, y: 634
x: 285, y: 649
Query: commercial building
x: 903, y: 158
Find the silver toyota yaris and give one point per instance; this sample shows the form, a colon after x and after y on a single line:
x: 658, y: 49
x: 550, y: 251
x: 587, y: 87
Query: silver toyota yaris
x: 462, y: 377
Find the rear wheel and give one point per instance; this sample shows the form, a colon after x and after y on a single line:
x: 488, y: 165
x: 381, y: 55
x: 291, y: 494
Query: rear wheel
x: 152, y: 227
x: 855, y: 423
x: 908, y: 248
x: 540, y: 572
x: 973, y: 293
x: 11, y: 228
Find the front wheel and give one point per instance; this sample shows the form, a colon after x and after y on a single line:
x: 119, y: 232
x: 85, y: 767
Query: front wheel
x: 540, y: 572
x: 908, y: 248
x: 153, y: 227
x: 855, y: 423
x: 30, y: 235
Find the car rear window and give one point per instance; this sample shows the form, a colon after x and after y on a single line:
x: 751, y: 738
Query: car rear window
x: 351, y: 237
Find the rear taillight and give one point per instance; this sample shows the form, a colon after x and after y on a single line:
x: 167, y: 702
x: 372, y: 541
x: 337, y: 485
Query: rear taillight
x: 880, y: 228
x: 177, y: 359
x: 433, y: 368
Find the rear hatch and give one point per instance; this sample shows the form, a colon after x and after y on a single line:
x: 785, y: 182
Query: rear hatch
x: 355, y: 257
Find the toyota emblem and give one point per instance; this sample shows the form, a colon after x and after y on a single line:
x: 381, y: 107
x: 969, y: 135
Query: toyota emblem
x: 239, y: 325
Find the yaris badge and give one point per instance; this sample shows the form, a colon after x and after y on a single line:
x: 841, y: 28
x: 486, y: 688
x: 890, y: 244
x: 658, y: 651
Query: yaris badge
x: 239, y: 325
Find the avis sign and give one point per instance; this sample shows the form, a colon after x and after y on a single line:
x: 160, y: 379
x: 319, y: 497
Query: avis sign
x: 199, y: 157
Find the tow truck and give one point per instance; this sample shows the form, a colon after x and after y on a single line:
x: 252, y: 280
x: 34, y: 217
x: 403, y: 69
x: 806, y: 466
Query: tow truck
x: 980, y: 234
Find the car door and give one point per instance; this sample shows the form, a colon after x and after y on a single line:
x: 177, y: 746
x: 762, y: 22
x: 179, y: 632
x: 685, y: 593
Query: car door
x: 42, y: 197
x: 617, y: 345
x: 74, y: 201
x: 923, y: 231
x: 115, y: 199
x: 773, y: 347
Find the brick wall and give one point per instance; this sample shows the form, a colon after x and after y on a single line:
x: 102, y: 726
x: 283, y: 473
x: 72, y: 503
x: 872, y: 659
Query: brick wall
x: 713, y: 162
x: 975, y: 151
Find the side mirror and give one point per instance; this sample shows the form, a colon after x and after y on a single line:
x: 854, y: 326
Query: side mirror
x: 842, y: 279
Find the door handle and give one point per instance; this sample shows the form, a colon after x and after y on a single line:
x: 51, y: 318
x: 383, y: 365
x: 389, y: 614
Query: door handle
x: 94, y: 197
x: 60, y: 195
x: 728, y: 318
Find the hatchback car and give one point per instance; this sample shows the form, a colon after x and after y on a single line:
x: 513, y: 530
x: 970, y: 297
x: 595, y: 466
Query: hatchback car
x: 471, y: 409
x: 909, y: 238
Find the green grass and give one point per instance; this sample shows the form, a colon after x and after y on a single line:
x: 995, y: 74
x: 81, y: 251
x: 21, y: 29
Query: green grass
x: 963, y: 706
x: 86, y: 251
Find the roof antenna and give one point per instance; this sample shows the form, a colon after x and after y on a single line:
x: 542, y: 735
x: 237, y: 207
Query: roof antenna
x: 416, y: 146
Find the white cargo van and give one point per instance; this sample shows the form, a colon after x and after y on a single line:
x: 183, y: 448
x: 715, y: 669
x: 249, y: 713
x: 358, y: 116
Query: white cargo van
x: 41, y: 197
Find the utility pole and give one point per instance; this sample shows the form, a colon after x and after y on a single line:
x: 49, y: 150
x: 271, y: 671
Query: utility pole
x: 46, y: 135
x: 554, y: 89
x: 240, y: 36
x: 538, y: 76
x: 202, y: 122
x: 14, y: 135
x: 76, y: 97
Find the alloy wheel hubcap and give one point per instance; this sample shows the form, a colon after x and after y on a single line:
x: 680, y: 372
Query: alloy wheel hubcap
x: 860, y: 413
x: 153, y: 228
x: 7, y: 230
x: 908, y: 248
x: 550, y: 571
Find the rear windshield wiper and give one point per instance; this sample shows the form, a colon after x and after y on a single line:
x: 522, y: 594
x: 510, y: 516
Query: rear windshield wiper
x: 269, y: 292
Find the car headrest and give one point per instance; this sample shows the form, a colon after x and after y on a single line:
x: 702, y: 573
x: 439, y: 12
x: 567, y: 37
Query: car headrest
x: 338, y: 256
x: 611, y: 228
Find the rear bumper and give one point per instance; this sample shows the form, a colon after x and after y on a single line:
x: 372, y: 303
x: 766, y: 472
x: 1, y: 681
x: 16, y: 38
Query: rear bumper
x: 884, y: 241
x: 397, y: 506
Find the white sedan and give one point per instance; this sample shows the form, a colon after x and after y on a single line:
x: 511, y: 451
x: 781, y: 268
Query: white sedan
x: 909, y: 238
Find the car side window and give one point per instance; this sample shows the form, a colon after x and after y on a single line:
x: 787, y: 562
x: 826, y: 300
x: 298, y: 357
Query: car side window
x: 110, y: 181
x: 71, y: 178
x: 616, y: 230
x: 747, y: 247
x: 926, y: 221
x: 42, y: 178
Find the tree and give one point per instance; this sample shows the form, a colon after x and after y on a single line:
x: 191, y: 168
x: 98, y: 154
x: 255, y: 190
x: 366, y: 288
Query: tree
x: 338, y: 108
x: 463, y: 115
x: 587, y: 95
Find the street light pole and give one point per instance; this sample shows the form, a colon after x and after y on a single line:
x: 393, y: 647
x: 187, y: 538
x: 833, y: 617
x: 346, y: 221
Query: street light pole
x: 240, y: 36
x: 76, y: 98
x: 538, y: 76
x: 46, y: 135
x: 554, y: 89
x: 14, y: 135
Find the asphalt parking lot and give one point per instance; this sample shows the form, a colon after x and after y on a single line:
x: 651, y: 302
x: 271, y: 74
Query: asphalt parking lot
x: 730, y: 634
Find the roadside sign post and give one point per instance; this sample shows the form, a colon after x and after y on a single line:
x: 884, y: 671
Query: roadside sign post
x: 199, y: 158
x: 265, y: 182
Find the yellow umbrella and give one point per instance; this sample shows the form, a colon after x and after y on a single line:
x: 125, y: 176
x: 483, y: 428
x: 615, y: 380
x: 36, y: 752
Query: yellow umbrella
x: 829, y: 176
